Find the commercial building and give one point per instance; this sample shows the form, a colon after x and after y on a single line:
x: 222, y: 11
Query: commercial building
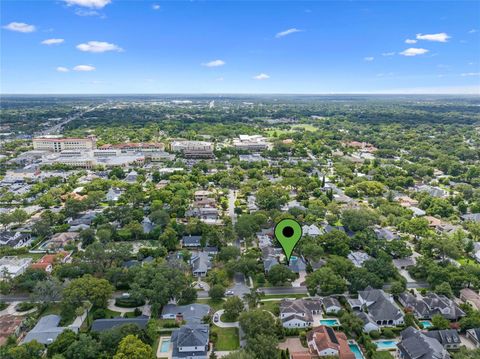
x: 250, y: 143
x: 59, y: 144
x: 193, y: 149
x: 13, y: 266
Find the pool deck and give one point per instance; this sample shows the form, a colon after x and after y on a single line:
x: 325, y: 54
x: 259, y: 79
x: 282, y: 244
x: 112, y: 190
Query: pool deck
x: 389, y: 348
x: 161, y: 354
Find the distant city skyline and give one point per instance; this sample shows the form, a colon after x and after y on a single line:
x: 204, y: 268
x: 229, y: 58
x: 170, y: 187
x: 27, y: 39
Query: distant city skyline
x: 285, y: 47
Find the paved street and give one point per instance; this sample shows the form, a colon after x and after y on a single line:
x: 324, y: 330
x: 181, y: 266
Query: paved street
x: 284, y: 290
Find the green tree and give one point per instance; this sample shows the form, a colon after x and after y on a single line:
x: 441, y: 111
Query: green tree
x: 96, y: 291
x: 280, y: 275
x: 133, y: 348
x: 233, y: 307
x: 217, y: 292
x: 84, y: 348
x: 325, y: 281
x: 61, y: 343
x: 439, y: 322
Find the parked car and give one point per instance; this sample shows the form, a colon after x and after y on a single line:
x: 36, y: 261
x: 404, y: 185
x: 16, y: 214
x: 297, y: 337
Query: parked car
x: 229, y: 293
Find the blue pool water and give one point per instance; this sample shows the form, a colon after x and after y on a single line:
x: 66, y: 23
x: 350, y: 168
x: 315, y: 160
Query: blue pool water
x: 165, y: 346
x: 386, y: 344
x: 356, y: 351
x: 330, y: 322
x: 426, y: 324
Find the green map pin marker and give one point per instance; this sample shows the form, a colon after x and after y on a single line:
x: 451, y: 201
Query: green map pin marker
x: 288, y: 232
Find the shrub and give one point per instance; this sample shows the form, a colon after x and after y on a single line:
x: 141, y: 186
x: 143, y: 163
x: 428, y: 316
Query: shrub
x: 129, y: 302
x: 24, y: 306
x: 98, y: 313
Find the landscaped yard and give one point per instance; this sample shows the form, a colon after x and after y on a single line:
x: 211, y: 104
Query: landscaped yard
x: 270, y: 305
x: 465, y: 261
x: 382, y: 355
x: 214, y: 305
x: 227, y: 338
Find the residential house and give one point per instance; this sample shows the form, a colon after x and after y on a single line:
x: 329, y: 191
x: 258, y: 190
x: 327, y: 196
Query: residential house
x: 131, y: 177
x: 297, y: 264
x: 432, y: 191
x: 474, y: 336
x: 11, y: 266
x: 415, y: 344
x: 385, y: 234
x: 381, y: 307
x: 369, y: 324
x: 147, y: 225
x: 431, y: 304
x: 471, y: 217
x: 15, y: 239
x: 299, y: 313
x: 113, y: 194
x: 201, y: 264
x: 404, y: 263
x: 358, y: 258
x: 192, y: 313
x: 323, y: 341
x: 190, y: 341
x: 269, y: 262
x: 47, y: 262
x: 202, y: 195
x: 60, y: 240
x: 311, y: 230
x: 101, y: 325
x: 47, y: 330
x: 470, y: 296
x: 331, y: 305
x: 449, y: 338
x: 191, y: 241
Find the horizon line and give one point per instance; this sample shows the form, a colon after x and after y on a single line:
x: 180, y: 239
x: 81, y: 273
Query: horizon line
x: 241, y: 93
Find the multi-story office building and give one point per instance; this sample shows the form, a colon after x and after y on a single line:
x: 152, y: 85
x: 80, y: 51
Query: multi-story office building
x: 59, y: 144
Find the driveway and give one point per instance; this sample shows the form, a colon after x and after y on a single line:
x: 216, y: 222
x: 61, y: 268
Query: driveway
x: 223, y: 324
x: 301, y: 279
x: 293, y: 344
x: 239, y: 287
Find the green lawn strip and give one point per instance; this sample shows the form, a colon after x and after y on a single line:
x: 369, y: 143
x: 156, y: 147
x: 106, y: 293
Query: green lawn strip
x: 281, y: 296
x: 214, y: 305
x: 227, y: 338
x: 270, y: 305
x: 382, y: 355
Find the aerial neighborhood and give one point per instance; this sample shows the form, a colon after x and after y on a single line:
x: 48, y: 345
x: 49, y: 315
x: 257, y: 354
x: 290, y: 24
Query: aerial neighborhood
x: 147, y: 226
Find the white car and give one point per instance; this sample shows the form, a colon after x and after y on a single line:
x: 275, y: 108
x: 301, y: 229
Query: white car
x: 229, y: 293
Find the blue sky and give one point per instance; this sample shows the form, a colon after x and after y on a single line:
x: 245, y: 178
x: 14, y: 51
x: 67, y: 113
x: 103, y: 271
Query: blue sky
x: 116, y: 46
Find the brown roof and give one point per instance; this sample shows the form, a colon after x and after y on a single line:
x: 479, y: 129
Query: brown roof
x: 326, y: 338
x: 301, y: 356
x: 471, y: 296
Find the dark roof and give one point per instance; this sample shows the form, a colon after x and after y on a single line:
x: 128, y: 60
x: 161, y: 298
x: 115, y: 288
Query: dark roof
x: 445, y: 337
x: 191, y: 240
x: 101, y: 325
x: 417, y: 345
x: 190, y: 335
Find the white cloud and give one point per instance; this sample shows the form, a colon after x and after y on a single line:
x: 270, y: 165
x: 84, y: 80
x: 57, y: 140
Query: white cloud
x: 410, y: 41
x: 369, y: 58
x: 62, y: 69
x: 473, y: 31
x: 83, y: 12
x: 93, y: 4
x: 440, y: 37
x: 287, y: 32
x: 156, y: 7
x: 219, y: 78
x: 98, y: 46
x: 414, y: 51
x: 214, y: 63
x: 84, y: 68
x: 52, y: 41
x: 20, y: 27
x: 261, y: 76
x: 465, y: 74
x: 388, y: 53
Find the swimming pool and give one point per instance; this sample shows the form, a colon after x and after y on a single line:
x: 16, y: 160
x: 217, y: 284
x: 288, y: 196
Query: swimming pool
x: 331, y: 322
x: 165, y: 345
x: 386, y: 344
x: 356, y: 350
x: 426, y: 324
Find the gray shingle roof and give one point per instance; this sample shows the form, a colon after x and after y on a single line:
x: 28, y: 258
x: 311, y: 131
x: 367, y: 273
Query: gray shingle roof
x: 190, y: 335
x: 192, y: 313
x: 417, y: 345
x: 101, y: 325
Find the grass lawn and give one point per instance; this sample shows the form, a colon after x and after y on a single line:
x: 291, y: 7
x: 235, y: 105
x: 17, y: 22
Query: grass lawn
x: 465, y: 261
x: 53, y: 308
x: 214, y: 305
x: 281, y: 296
x: 382, y: 355
x: 227, y: 338
x: 129, y: 315
x: 305, y: 126
x: 111, y: 314
x: 225, y: 320
x: 270, y: 305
